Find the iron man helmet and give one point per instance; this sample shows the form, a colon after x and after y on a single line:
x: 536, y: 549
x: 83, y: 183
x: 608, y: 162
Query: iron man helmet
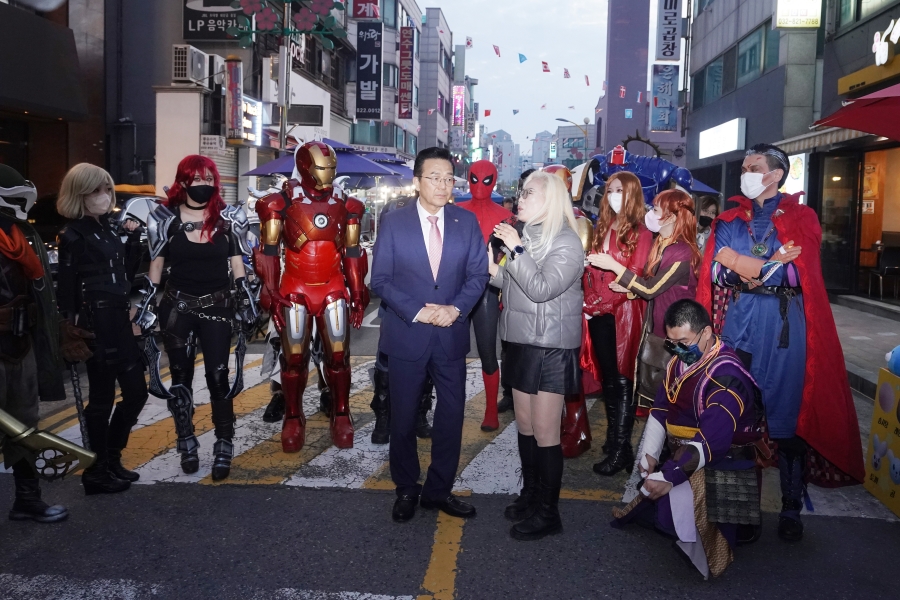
x: 563, y: 173
x: 316, y: 163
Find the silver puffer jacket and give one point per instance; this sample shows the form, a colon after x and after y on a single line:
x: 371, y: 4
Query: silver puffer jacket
x: 542, y: 298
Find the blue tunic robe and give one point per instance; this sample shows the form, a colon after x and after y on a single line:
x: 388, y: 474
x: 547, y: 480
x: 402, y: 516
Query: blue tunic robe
x: 753, y: 322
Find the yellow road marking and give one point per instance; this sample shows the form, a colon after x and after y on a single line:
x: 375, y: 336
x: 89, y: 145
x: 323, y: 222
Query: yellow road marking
x: 474, y: 440
x: 266, y: 464
x: 440, y: 577
x: 157, y: 438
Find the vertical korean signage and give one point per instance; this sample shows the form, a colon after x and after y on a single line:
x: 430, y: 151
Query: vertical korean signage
x: 208, y: 19
x: 234, y: 99
x: 368, y: 70
x: 407, y: 64
x: 663, y: 115
x: 668, y: 30
x: 365, y: 9
x: 459, y: 105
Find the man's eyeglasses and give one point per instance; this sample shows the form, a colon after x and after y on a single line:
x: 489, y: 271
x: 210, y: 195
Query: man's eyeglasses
x: 439, y: 181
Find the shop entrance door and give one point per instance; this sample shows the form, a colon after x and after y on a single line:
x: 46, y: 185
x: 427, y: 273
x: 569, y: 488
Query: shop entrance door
x: 838, y: 215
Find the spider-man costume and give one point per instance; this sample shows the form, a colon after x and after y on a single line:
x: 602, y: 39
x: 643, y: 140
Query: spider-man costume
x: 322, y: 261
x: 486, y: 315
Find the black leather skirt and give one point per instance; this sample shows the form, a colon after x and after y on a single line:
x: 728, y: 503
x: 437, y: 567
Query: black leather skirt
x: 531, y: 369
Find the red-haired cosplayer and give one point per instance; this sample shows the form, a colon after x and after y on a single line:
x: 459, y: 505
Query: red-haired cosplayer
x: 322, y: 261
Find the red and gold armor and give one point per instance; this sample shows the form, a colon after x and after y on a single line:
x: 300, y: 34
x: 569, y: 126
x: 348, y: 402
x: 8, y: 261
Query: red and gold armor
x: 319, y: 235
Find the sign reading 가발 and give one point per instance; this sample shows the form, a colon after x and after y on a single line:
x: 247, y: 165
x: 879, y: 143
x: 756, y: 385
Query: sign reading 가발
x: 368, y: 70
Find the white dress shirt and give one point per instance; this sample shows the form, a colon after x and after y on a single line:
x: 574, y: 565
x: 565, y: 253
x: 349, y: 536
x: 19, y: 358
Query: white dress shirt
x: 426, y: 224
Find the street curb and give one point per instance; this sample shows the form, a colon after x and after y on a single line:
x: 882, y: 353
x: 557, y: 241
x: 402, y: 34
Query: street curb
x: 862, y: 380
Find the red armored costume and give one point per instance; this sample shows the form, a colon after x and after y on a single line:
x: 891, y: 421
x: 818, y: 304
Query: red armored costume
x: 482, y: 179
x: 322, y: 260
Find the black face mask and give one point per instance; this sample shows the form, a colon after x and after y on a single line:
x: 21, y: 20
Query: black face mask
x: 201, y: 194
x: 705, y: 221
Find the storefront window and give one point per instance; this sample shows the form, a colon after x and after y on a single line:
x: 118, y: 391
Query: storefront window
x: 838, y: 213
x: 713, y: 87
x: 367, y: 132
x: 749, y: 55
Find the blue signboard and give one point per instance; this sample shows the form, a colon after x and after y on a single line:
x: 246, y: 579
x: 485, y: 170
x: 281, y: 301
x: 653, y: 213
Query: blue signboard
x: 628, y: 113
x: 663, y: 115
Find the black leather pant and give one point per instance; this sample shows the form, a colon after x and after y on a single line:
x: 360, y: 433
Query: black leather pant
x: 485, y: 320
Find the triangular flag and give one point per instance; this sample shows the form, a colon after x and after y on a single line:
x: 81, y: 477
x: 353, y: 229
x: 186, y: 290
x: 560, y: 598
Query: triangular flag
x: 515, y: 112
x: 571, y: 108
x: 587, y: 81
x: 487, y: 112
x: 597, y: 110
x: 640, y: 97
x: 604, y: 85
x: 493, y: 135
x: 497, y: 50
x: 385, y: 123
x: 543, y: 107
x: 522, y: 58
x: 621, y: 91
x: 446, y: 130
x: 468, y: 42
x: 418, y: 128
x: 430, y: 111
x: 545, y: 66
x: 566, y: 74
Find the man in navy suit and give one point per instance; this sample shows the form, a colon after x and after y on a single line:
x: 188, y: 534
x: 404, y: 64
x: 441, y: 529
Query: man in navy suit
x: 430, y: 269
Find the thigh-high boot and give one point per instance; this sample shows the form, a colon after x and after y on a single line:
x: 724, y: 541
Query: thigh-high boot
x: 621, y: 454
x: 575, y: 436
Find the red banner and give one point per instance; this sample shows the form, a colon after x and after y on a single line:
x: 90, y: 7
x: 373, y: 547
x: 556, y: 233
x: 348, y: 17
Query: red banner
x: 366, y: 9
x: 407, y: 55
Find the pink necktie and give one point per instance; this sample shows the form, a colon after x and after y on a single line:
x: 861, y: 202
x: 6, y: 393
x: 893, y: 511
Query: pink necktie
x: 435, y: 246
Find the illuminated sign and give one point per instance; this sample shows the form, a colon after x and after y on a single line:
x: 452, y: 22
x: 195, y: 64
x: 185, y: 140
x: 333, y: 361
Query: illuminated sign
x: 723, y: 138
x: 552, y: 153
x: 459, y: 105
x: 796, y: 177
x: 798, y: 14
x: 252, y: 121
x: 881, y: 48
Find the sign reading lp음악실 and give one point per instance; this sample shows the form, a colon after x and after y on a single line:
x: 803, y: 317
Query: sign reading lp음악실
x: 208, y: 19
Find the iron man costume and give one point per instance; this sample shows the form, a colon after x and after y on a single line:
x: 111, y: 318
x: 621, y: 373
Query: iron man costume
x: 575, y: 435
x: 322, y: 261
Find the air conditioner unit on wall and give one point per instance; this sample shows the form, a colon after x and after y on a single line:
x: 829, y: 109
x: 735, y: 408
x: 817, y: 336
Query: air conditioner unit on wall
x: 216, y: 71
x: 189, y: 65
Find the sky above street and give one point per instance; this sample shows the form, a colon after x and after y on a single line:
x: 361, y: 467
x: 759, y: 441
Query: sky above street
x: 568, y: 35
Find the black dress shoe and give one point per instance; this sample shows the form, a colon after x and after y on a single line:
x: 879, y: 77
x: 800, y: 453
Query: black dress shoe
x: 404, y: 508
x: 451, y: 505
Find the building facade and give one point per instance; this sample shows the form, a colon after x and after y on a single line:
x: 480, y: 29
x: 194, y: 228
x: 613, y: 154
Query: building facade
x: 52, y: 95
x: 504, y: 153
x: 436, y: 103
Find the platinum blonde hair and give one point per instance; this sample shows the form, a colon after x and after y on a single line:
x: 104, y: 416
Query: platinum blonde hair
x: 555, y: 213
x: 81, y: 180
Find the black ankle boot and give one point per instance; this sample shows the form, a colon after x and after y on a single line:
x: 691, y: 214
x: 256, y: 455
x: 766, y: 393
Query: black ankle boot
x: 545, y: 520
x: 275, y: 410
x: 527, y: 501
x: 223, y: 451
x: 423, y: 429
x: 97, y: 479
x: 381, y: 406
x: 116, y: 468
x: 28, y: 505
x: 621, y: 455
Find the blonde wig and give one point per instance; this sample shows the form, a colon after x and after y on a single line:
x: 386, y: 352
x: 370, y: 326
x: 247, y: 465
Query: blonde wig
x: 80, y: 181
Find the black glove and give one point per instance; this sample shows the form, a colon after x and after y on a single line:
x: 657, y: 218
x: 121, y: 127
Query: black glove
x: 246, y: 304
x: 145, y: 317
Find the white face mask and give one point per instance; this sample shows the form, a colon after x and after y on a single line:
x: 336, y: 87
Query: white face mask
x: 97, y: 204
x: 615, y: 201
x: 652, y: 222
x: 752, y: 185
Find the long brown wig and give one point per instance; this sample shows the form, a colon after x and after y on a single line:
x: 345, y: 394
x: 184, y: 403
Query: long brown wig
x: 630, y: 217
x: 680, y: 204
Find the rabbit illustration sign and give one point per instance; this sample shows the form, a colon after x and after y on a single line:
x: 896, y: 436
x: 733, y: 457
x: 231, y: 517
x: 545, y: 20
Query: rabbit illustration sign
x: 883, y: 458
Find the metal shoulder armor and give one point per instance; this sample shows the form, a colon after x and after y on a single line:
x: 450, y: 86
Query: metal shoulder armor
x: 158, y: 222
x: 240, y: 225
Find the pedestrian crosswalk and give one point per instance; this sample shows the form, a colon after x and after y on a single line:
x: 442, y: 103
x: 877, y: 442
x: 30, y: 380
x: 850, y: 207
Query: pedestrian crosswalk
x: 489, y: 461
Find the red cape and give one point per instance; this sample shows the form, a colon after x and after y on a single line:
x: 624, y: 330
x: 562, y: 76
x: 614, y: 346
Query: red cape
x: 828, y: 420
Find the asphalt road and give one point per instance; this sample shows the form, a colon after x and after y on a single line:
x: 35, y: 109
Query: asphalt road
x: 317, y: 525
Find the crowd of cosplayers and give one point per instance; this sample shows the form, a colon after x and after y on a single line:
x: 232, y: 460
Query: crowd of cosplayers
x: 696, y: 320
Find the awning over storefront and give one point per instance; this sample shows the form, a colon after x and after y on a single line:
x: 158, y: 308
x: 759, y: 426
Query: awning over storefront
x: 817, y: 139
x: 39, y: 67
x: 875, y: 114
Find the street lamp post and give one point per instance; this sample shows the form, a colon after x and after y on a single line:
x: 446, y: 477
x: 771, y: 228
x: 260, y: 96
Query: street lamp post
x: 583, y: 130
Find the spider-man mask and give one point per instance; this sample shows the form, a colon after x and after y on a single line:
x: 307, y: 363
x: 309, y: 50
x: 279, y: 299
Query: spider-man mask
x: 482, y: 179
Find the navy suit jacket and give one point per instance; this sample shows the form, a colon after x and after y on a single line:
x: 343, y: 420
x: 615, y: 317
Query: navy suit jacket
x: 402, y: 278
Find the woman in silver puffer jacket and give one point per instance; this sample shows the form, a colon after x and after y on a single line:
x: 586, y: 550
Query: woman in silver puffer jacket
x: 540, y: 279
